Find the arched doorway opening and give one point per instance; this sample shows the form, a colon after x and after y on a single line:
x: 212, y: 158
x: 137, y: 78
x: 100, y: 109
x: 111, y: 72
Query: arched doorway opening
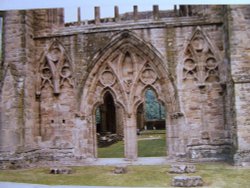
x: 151, y: 126
x: 109, y: 132
x: 125, y: 67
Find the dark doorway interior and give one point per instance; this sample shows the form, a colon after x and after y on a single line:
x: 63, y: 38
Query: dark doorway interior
x: 109, y: 136
x: 107, y: 116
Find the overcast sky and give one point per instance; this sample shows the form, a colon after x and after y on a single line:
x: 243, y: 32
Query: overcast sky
x: 107, y: 6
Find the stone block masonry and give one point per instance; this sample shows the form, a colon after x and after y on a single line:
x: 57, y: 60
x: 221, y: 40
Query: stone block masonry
x: 56, y: 75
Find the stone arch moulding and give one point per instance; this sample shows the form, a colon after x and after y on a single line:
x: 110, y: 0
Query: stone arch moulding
x: 55, y: 68
x: 126, y: 66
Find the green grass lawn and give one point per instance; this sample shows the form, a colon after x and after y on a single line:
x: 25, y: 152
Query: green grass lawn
x: 113, y: 151
x: 151, y: 143
x: 214, y: 175
x: 152, y: 148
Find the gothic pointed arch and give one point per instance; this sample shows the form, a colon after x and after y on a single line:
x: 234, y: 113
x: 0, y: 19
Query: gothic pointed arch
x: 128, y: 64
x: 55, y: 68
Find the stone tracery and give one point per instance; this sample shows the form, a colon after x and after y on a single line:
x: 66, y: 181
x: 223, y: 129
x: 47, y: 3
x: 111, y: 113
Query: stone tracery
x: 127, y: 71
x: 200, y: 62
x: 55, y: 69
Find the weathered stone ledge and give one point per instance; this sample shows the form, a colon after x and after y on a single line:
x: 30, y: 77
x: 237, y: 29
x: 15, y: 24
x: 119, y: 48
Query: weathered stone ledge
x: 163, y: 23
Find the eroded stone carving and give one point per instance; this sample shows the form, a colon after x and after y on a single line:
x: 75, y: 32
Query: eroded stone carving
x: 107, y: 77
x: 148, y: 75
x: 55, y: 69
x: 200, y: 62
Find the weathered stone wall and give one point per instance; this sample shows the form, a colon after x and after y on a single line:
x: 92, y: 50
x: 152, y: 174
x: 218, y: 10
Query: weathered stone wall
x: 239, y: 32
x: 202, y: 91
x: 48, y: 68
x: 18, y: 54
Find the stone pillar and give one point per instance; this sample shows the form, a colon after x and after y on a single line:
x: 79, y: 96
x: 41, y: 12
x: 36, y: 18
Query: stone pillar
x: 131, y: 138
x: 79, y: 15
x: 175, y: 10
x: 97, y: 15
x: 155, y: 12
x: 116, y: 12
x: 135, y: 13
x: 175, y: 137
x: 80, y: 142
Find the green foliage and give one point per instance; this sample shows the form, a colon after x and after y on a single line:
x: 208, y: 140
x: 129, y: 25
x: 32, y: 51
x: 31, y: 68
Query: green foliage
x: 154, y: 109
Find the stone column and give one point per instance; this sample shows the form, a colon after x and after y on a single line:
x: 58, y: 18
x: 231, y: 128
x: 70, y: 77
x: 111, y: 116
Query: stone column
x: 175, y: 10
x: 97, y: 15
x: 155, y: 12
x: 116, y: 12
x: 79, y: 15
x: 135, y: 13
x: 131, y: 138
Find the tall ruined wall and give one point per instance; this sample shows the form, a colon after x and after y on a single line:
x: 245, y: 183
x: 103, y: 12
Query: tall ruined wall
x: 47, y: 65
x: 15, y: 97
x: 239, y: 38
x: 178, y: 41
x: 19, y: 109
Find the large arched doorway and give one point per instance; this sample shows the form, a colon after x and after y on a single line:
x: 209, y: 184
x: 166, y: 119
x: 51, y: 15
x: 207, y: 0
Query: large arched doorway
x: 126, y: 67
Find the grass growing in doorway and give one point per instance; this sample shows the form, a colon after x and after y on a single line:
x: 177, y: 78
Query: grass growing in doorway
x: 113, y: 151
x: 151, y: 143
x: 151, y: 148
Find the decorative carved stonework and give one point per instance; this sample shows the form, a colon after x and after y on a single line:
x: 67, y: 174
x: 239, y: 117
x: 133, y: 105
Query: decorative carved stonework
x: 107, y: 78
x: 128, y: 66
x: 55, y: 69
x: 200, y: 62
x: 148, y: 75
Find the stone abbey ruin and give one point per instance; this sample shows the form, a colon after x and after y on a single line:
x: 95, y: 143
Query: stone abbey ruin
x: 55, y: 75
